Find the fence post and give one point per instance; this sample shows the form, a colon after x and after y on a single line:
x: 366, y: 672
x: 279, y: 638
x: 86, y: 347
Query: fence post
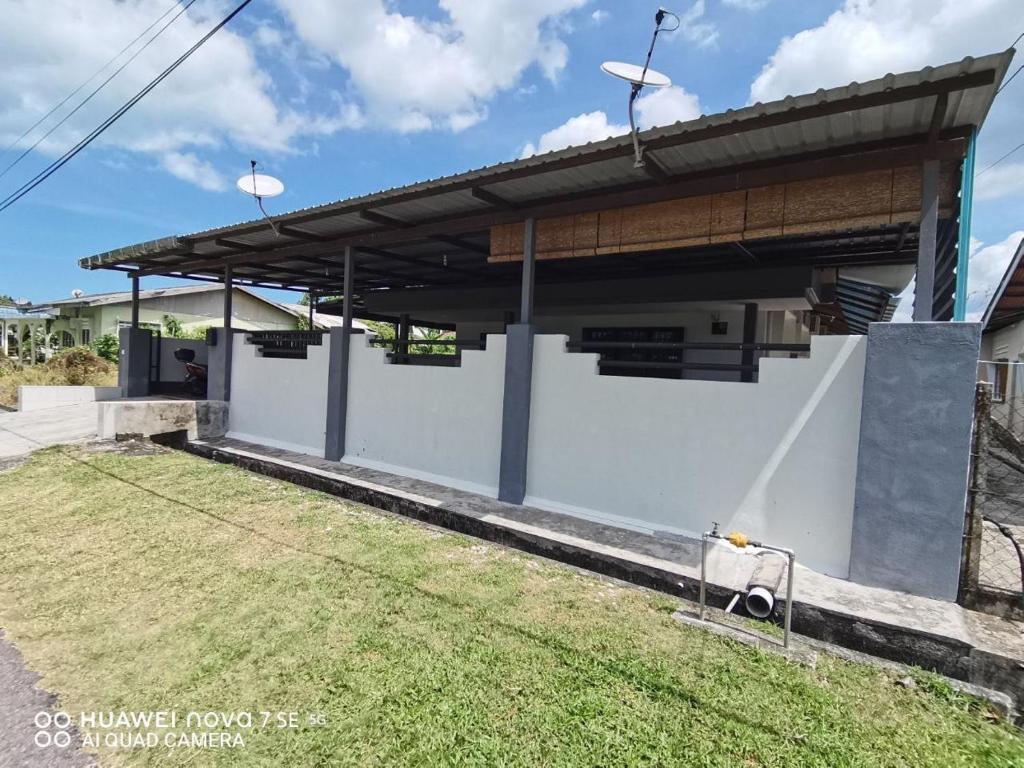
x: 973, y: 525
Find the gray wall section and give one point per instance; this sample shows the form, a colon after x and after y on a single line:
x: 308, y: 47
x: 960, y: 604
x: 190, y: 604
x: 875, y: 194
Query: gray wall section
x: 218, y: 374
x: 515, y: 413
x: 133, y: 361
x: 337, y: 397
x: 914, y: 456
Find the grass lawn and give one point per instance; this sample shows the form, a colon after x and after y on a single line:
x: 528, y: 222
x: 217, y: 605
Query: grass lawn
x: 166, y: 582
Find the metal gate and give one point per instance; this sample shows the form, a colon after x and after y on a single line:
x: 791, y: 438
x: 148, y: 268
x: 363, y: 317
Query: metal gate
x: 992, y: 578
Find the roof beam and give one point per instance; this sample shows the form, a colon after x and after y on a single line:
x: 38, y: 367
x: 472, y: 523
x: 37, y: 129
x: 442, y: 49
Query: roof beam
x: 465, y: 245
x: 741, y: 249
x: 782, y: 170
x: 496, y: 201
x: 419, y: 261
x: 382, y: 219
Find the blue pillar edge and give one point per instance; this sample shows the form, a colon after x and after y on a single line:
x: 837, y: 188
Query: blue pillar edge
x: 963, y: 242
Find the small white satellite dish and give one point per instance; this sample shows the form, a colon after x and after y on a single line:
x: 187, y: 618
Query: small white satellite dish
x: 260, y: 185
x: 638, y: 77
x: 636, y: 74
x: 77, y: 293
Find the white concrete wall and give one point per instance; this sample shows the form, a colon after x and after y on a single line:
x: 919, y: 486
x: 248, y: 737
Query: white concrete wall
x: 776, y: 460
x: 279, y: 402
x: 38, y: 398
x: 432, y: 423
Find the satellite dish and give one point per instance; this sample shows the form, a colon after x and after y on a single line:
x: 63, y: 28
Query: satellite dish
x: 77, y: 293
x: 636, y: 74
x: 260, y: 185
x: 638, y: 77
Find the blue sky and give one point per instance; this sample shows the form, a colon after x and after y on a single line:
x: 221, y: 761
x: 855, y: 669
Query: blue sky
x: 343, y: 97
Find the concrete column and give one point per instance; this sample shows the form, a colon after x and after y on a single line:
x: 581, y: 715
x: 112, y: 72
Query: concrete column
x: 924, y: 286
x: 404, y: 328
x: 312, y: 309
x: 749, y: 337
x: 133, y: 361
x: 913, y: 461
x: 135, y: 302
x: 337, y: 375
x: 229, y: 336
x: 32, y: 328
x: 515, y: 418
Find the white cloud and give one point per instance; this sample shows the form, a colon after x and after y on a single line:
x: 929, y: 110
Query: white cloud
x: 218, y: 96
x: 188, y: 167
x: 694, y: 29
x: 590, y: 126
x: 986, y: 268
x: 988, y: 264
x: 416, y: 74
x: 1001, y: 181
x: 599, y: 16
x: 658, y: 108
x: 666, y: 106
x: 866, y: 39
x: 747, y: 5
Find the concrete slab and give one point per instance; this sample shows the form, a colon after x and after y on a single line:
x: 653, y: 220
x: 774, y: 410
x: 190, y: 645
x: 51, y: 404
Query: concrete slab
x: 147, y: 416
x: 22, y: 433
x: 933, y: 634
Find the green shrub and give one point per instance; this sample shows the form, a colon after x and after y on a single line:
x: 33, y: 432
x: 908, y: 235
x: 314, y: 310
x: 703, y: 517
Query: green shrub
x: 107, y: 347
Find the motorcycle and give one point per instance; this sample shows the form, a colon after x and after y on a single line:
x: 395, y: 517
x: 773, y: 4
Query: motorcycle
x: 195, y: 373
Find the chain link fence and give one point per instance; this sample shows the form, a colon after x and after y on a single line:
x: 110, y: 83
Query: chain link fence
x: 993, y: 567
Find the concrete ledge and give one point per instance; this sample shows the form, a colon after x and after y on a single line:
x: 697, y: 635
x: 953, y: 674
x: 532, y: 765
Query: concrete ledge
x: 38, y: 398
x: 147, y: 417
x: 867, y: 620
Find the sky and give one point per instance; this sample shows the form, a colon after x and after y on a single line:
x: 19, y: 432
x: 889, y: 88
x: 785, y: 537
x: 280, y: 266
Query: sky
x: 346, y: 97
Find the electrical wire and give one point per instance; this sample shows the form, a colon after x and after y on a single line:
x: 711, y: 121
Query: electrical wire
x: 67, y: 156
x: 99, y: 88
x: 92, y: 77
x: 1008, y: 80
x: 997, y: 162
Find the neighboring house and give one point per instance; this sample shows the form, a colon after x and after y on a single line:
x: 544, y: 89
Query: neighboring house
x: 1002, y: 344
x: 82, y: 319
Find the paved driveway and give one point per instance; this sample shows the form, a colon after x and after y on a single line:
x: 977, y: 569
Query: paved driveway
x: 22, y: 433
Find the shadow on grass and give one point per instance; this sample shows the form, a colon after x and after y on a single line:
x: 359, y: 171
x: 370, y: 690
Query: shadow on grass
x: 570, y: 656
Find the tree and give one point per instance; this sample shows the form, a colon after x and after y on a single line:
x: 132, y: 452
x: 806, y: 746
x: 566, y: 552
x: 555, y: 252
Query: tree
x: 6, y: 301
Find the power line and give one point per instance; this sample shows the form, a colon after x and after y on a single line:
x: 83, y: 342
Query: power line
x: 99, y: 88
x: 1008, y: 80
x: 60, y: 162
x: 997, y: 162
x: 87, y: 81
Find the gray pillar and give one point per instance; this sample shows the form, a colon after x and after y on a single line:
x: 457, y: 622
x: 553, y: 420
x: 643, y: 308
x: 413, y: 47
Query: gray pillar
x: 404, y: 329
x: 133, y: 361
x: 337, y: 374
x: 749, y: 337
x: 312, y: 308
x: 515, y: 416
x: 229, y: 336
x: 912, y: 464
x: 924, y: 286
x: 135, y: 302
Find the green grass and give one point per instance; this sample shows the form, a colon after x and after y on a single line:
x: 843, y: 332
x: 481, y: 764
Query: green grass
x: 166, y: 582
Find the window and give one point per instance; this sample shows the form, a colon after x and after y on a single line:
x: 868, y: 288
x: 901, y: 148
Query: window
x: 66, y: 339
x: 999, y: 385
x: 86, y: 335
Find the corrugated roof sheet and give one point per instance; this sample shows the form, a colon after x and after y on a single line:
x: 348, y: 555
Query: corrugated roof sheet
x: 793, y: 125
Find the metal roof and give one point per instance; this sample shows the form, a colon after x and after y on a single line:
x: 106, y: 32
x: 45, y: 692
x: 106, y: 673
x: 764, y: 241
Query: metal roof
x: 1007, y: 304
x: 942, y: 102
x: 16, y: 313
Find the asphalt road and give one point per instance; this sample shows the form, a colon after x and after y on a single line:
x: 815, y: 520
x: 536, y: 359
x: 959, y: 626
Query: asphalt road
x: 20, y: 704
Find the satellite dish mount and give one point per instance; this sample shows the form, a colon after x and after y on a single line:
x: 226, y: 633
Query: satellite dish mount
x: 638, y: 77
x: 260, y: 185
